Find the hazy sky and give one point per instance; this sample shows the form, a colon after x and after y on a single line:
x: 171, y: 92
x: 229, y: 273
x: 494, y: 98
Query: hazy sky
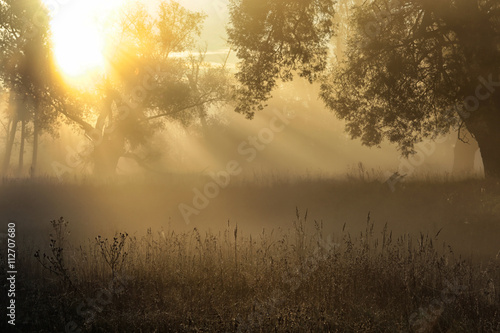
x: 214, y: 33
x: 76, y: 26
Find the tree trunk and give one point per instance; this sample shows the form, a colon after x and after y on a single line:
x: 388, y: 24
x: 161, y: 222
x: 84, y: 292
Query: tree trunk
x: 203, y: 117
x: 483, y: 124
x: 21, y: 147
x: 8, y: 147
x: 491, y: 157
x: 464, y: 155
x: 11, y: 132
x: 107, y: 154
x: 36, y: 133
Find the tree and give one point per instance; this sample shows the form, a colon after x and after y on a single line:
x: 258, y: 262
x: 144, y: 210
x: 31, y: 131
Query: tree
x: 464, y: 154
x: 26, y: 73
x: 414, y: 70
x: 274, y: 40
x: 146, y: 83
x: 432, y: 66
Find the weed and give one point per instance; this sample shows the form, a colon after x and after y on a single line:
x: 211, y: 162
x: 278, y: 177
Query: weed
x: 288, y: 281
x: 55, y: 261
x: 113, y: 252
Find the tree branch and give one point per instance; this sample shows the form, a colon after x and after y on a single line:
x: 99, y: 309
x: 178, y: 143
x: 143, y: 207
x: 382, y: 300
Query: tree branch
x: 83, y: 124
x: 198, y: 103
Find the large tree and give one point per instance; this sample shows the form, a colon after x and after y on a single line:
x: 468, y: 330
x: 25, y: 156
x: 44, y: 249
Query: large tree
x: 149, y: 79
x: 414, y: 70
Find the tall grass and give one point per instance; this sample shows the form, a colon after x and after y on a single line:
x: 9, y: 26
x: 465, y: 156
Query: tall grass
x: 295, y: 280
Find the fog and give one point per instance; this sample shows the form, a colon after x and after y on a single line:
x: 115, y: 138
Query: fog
x: 293, y: 154
x: 312, y: 144
x: 250, y: 165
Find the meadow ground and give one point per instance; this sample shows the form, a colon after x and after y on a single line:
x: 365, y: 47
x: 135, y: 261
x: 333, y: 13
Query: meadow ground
x: 269, y: 255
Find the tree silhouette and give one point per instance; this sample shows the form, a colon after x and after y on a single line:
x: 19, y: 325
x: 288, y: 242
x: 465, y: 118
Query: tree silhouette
x: 274, y: 40
x: 413, y: 70
x: 26, y: 74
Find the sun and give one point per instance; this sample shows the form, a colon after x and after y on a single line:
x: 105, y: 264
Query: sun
x: 77, y: 47
x: 78, y: 35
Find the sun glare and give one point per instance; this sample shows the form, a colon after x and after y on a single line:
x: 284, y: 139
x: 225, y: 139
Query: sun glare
x: 77, y: 47
x: 78, y: 30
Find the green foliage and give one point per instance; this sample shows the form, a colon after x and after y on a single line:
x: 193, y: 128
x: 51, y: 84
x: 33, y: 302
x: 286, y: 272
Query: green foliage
x: 26, y: 68
x: 177, y: 27
x: 413, y: 70
x: 409, y: 63
x: 24, y: 45
x: 275, y: 39
x: 149, y: 82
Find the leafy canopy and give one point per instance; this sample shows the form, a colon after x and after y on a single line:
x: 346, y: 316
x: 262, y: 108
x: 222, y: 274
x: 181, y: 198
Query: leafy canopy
x: 274, y: 39
x: 410, y: 66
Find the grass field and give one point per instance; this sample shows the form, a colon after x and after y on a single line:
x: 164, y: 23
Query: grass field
x: 353, y: 257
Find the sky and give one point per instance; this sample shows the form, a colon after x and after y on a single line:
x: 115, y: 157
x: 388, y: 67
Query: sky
x: 214, y: 33
x: 77, y: 25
